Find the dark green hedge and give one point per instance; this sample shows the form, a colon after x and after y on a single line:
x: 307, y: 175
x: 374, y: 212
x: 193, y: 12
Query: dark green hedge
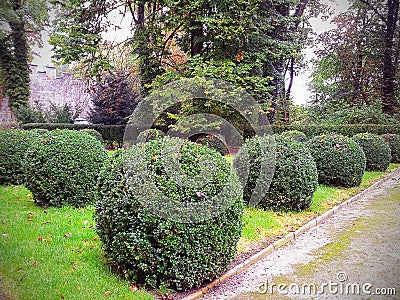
x: 376, y: 150
x: 295, y: 135
x: 340, y: 160
x: 147, y: 248
x: 348, y: 129
x: 393, y: 141
x: 110, y: 133
x: 62, y: 168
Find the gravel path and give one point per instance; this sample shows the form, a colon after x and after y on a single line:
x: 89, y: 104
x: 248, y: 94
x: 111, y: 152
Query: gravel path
x: 353, y: 255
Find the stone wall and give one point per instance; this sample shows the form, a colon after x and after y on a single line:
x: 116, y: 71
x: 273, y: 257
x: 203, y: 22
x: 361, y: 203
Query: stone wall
x: 47, y: 88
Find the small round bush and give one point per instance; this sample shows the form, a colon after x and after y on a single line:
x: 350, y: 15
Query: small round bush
x: 340, y: 160
x: 393, y: 140
x: 255, y: 165
x: 211, y: 142
x: 295, y: 178
x: 377, y: 152
x: 93, y: 133
x: 295, y: 135
x: 13, y: 145
x: 62, y: 168
x: 162, y: 252
x: 150, y: 134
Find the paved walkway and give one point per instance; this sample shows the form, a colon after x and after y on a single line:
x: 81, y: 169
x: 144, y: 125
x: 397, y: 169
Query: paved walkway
x: 353, y: 255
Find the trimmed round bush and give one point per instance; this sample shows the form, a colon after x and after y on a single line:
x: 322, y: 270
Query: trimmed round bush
x: 13, y: 145
x: 295, y: 135
x: 211, y: 142
x: 295, y: 178
x: 393, y: 140
x: 150, y: 134
x: 340, y: 160
x: 62, y: 168
x: 376, y: 150
x: 161, y: 252
x: 93, y: 133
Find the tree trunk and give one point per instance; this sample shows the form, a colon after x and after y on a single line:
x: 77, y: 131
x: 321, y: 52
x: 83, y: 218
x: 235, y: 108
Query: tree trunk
x: 389, y: 70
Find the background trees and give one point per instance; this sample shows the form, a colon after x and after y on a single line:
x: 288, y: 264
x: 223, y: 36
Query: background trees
x: 247, y: 42
x: 357, y: 65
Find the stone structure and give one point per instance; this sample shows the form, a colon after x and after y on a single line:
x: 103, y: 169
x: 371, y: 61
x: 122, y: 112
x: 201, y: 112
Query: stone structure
x: 48, y: 88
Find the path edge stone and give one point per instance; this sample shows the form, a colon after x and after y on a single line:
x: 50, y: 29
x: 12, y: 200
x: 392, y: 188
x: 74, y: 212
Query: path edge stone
x: 200, y: 292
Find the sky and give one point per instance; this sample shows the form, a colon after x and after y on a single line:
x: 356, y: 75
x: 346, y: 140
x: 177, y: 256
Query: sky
x: 300, y: 92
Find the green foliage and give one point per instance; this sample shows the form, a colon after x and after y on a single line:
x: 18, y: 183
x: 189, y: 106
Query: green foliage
x: 160, y: 252
x: 295, y: 178
x: 340, y: 160
x: 13, y: 145
x: 345, y: 129
x: 393, y: 141
x: 110, y: 133
x: 19, y: 17
x: 93, y: 133
x: 333, y: 115
x: 52, y: 114
x: 211, y: 141
x: 150, y: 134
x: 114, y: 99
x: 256, y: 154
x: 62, y: 168
x: 295, y: 135
x: 377, y: 152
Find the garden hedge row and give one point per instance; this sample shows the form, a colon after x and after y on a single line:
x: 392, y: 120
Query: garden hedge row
x: 110, y: 133
x: 349, y: 129
x: 116, y: 132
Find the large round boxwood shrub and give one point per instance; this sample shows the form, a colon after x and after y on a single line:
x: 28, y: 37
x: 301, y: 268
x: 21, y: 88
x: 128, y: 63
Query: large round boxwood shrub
x: 340, y: 160
x: 161, y: 251
x: 295, y: 135
x: 393, y: 140
x: 377, y: 152
x: 295, y: 178
x: 13, y: 145
x: 62, y: 168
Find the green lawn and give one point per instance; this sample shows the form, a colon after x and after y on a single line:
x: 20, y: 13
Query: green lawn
x: 55, y: 253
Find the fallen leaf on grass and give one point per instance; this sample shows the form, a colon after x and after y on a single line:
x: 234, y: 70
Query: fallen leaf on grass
x: 95, y: 238
x: 35, y: 263
x: 4, y: 221
x: 108, y: 293
x: 69, y: 234
x: 133, y: 288
x: 29, y: 220
x: 40, y: 239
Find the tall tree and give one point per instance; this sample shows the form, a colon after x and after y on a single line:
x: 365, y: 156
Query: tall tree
x: 114, y: 99
x: 358, y: 64
x: 21, y: 22
x: 388, y: 13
